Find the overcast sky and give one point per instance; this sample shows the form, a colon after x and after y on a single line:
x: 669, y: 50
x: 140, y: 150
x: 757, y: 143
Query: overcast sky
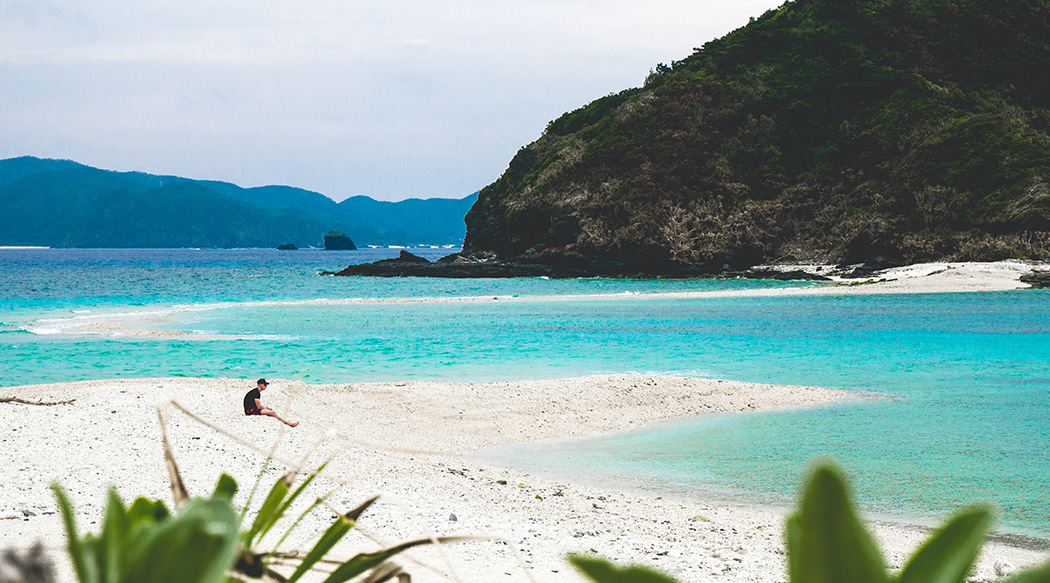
x: 388, y: 98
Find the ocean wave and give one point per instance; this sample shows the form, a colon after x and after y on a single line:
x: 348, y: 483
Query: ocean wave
x: 118, y: 323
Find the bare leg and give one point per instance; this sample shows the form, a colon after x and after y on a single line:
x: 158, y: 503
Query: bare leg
x: 272, y: 413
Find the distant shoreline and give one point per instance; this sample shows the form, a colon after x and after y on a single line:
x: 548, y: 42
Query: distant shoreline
x: 926, y: 278
x: 955, y: 276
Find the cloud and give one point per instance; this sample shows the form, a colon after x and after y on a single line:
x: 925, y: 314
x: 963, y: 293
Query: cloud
x: 389, y: 99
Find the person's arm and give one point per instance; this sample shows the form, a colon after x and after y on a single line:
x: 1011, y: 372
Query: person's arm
x: 258, y: 404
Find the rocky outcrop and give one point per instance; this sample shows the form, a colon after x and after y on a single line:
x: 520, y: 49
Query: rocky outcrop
x: 451, y: 266
x: 460, y: 266
x: 1039, y: 279
x: 336, y: 241
x: 287, y: 247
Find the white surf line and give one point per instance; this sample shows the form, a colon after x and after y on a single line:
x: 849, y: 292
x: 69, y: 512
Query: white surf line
x: 117, y: 330
x: 116, y: 324
x: 913, y: 279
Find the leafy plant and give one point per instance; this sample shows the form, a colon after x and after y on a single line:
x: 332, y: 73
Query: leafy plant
x: 604, y: 572
x: 203, y: 542
x: 827, y: 543
x: 146, y: 543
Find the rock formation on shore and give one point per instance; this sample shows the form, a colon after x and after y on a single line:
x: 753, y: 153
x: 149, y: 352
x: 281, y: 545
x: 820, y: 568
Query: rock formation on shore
x: 460, y: 266
x: 1039, y: 279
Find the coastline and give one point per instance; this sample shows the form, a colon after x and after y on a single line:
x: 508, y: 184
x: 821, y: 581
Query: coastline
x: 412, y: 442
x: 459, y: 266
x: 926, y: 278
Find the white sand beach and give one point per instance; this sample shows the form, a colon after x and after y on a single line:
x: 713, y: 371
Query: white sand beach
x: 410, y: 442
x: 925, y: 278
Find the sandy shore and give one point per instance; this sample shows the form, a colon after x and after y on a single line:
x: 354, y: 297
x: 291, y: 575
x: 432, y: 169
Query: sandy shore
x: 925, y: 278
x: 411, y: 443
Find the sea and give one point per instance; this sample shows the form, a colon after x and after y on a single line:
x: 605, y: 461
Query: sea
x: 953, y: 390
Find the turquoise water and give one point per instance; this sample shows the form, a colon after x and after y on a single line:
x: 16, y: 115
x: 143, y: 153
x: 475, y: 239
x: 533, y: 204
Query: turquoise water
x: 964, y: 413
x: 49, y: 299
x: 965, y: 377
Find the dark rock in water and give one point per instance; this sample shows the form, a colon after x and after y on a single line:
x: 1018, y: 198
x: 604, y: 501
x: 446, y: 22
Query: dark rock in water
x: 406, y: 256
x: 465, y: 266
x: 287, y: 247
x: 445, y: 268
x: 451, y: 266
x: 1037, y: 279
x: 336, y: 241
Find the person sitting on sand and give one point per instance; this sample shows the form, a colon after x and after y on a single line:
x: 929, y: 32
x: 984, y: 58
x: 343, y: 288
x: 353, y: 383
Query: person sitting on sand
x: 253, y: 404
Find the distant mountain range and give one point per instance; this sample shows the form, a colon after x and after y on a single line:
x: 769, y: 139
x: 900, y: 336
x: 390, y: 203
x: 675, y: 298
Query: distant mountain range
x: 61, y: 203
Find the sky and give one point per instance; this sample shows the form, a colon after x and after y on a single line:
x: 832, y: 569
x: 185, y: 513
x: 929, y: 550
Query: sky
x: 391, y: 99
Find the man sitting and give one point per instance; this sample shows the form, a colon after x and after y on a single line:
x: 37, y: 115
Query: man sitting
x: 253, y: 404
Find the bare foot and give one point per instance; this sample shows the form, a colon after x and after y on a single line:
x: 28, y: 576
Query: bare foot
x: 293, y: 424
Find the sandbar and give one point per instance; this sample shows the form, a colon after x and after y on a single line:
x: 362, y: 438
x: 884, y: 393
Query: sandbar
x: 925, y: 278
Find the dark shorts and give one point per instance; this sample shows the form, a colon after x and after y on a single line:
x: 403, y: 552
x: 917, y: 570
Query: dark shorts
x: 252, y: 411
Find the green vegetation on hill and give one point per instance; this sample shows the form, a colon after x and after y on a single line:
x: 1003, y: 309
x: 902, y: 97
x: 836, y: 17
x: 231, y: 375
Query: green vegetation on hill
x: 59, y: 203
x: 832, y: 130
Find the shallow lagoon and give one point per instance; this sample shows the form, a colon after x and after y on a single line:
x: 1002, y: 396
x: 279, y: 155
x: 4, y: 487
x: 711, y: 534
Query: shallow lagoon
x: 965, y: 379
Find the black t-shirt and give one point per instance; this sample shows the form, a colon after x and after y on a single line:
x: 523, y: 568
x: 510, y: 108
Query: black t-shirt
x: 249, y: 399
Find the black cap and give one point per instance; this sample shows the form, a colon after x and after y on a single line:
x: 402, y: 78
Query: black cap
x: 262, y: 382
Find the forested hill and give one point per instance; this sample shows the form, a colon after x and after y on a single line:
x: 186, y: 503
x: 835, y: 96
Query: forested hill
x: 831, y: 130
x: 60, y: 203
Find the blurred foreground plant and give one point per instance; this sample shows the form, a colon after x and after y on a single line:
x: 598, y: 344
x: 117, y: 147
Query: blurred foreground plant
x: 827, y: 543
x: 203, y: 541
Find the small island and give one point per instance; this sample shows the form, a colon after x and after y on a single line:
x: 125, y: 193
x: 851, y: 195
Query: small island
x: 336, y: 241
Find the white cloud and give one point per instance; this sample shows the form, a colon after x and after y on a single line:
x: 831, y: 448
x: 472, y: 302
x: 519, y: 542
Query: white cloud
x: 390, y: 99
